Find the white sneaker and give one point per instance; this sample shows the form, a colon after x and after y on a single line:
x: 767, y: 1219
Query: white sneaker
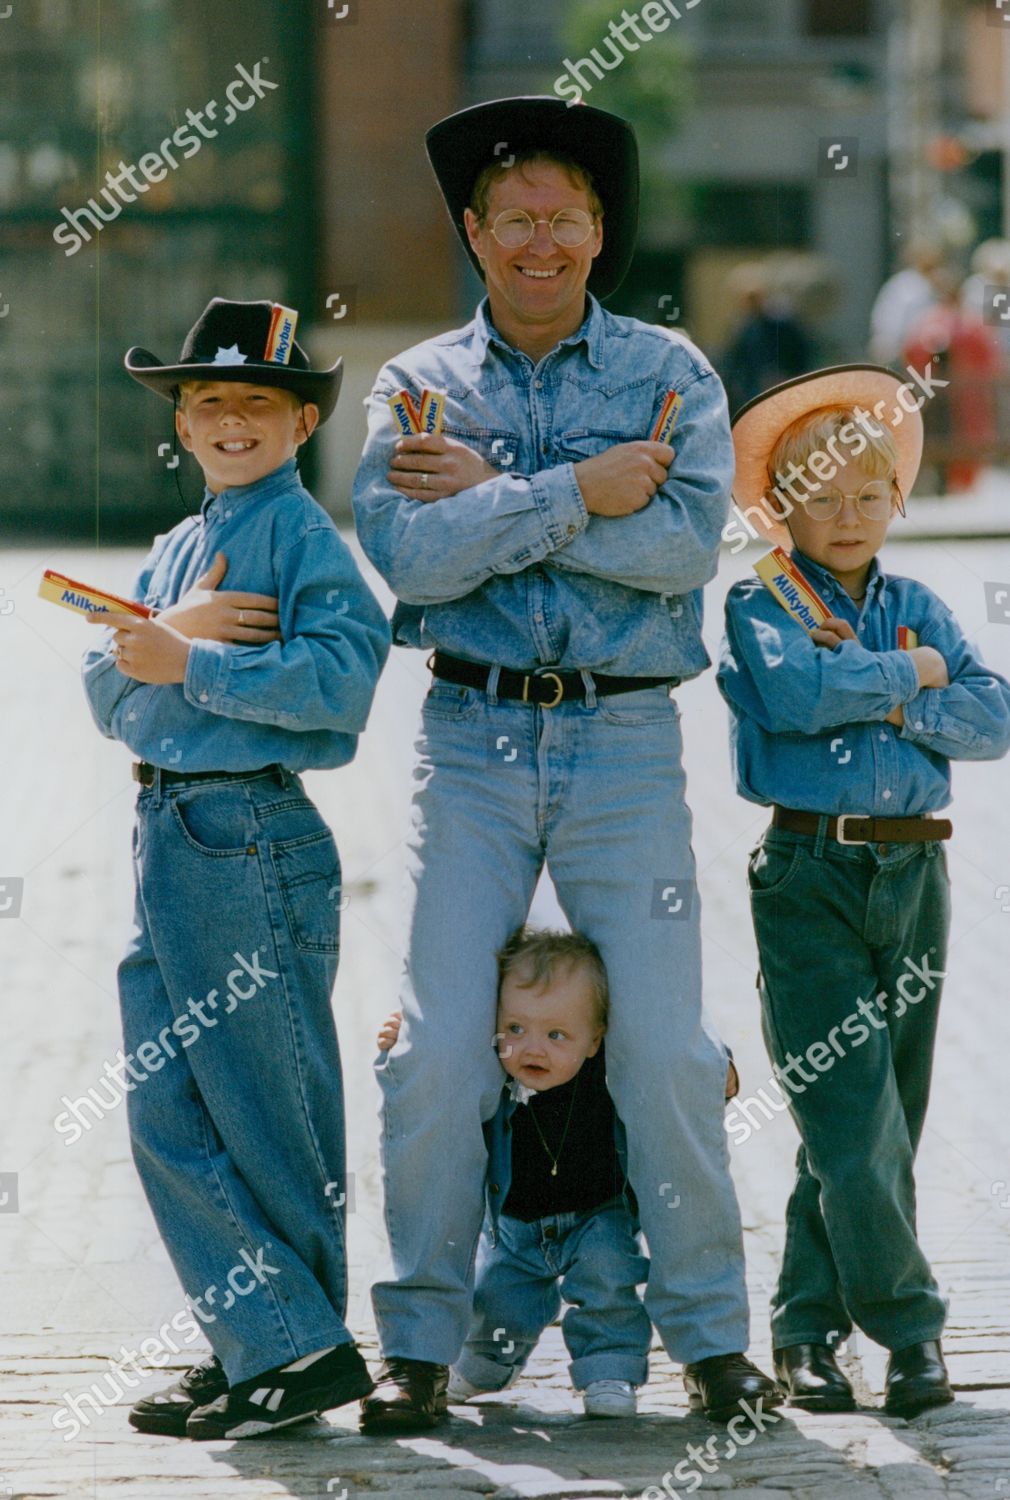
x: 460, y: 1390
x: 610, y: 1398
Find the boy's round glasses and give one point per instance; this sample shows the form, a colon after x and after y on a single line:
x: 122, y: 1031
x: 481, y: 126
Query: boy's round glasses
x: 570, y: 227
x: 873, y: 501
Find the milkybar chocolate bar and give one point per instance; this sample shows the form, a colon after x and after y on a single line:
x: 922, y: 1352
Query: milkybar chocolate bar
x: 405, y: 412
x: 432, y: 411
x: 85, y: 600
x: 907, y: 638
x: 783, y: 578
x: 667, y: 419
x: 281, y: 336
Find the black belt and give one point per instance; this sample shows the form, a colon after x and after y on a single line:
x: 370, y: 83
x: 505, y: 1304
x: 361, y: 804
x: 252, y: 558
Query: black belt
x: 145, y: 773
x: 861, y: 828
x: 545, y: 688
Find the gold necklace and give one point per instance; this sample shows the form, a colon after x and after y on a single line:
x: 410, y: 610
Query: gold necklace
x: 564, y: 1133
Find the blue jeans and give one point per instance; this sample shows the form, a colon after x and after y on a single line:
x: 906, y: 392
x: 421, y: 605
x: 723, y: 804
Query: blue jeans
x: 237, y: 1129
x: 595, y: 788
x: 837, y: 925
x: 594, y: 1262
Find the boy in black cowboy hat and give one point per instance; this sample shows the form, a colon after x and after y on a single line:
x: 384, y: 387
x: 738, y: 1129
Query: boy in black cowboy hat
x: 236, y: 1114
x: 554, y: 556
x: 847, y: 728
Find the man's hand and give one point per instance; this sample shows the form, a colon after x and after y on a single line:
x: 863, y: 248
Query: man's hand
x: 430, y: 466
x: 237, y: 619
x: 931, y: 667
x: 146, y: 649
x: 833, y: 632
x: 390, y: 1030
x: 624, y: 478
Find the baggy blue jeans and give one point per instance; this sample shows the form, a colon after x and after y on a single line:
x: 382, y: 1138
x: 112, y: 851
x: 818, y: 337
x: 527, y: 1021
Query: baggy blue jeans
x: 236, y: 1117
x: 594, y: 1262
x: 595, y: 788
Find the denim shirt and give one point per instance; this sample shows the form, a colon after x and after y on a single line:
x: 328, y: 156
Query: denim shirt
x: 807, y: 729
x: 515, y: 570
x: 301, y: 701
x: 497, y: 1134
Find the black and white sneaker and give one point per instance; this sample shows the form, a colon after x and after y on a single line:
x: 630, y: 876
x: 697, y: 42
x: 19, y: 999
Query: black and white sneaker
x: 166, y: 1412
x: 290, y: 1393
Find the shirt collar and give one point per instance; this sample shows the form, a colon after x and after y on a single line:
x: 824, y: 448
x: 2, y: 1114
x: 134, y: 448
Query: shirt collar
x: 819, y: 574
x: 282, y: 478
x: 518, y: 1092
x: 591, y: 332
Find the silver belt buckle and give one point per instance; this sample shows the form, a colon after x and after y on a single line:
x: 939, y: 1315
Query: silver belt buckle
x: 840, y: 829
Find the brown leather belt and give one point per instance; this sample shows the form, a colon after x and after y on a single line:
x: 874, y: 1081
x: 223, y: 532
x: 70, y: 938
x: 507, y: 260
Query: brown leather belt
x: 860, y: 828
x: 546, y: 689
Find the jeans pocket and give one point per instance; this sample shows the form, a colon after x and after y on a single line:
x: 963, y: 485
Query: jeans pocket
x: 449, y: 700
x: 214, y: 820
x: 308, y: 877
x: 643, y: 706
x: 773, y: 867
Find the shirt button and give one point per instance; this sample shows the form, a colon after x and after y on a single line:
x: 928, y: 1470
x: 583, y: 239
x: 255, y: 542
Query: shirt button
x: 887, y: 793
x: 573, y: 529
x: 550, y: 1232
x: 539, y: 619
x: 539, y: 384
x: 204, y: 697
x: 883, y: 734
x: 495, y: 1188
x: 881, y: 848
x: 918, y: 723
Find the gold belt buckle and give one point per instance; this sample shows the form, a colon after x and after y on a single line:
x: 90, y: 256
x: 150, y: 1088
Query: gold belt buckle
x: 554, y: 701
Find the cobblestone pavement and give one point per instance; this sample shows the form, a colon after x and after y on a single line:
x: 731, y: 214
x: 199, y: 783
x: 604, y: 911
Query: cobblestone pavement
x: 83, y: 1276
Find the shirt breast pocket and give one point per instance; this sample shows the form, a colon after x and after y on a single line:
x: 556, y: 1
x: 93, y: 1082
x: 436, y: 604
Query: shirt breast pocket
x: 586, y: 442
x: 498, y: 446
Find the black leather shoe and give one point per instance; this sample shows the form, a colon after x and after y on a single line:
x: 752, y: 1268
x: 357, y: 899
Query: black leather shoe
x: 718, y: 1384
x: 409, y: 1396
x: 916, y: 1379
x: 810, y: 1376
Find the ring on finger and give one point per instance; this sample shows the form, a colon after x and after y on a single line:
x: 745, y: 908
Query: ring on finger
x: 241, y: 616
x: 424, y: 481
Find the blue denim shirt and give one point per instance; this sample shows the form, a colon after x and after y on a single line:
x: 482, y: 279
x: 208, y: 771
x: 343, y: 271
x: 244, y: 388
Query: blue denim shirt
x: 807, y: 729
x: 301, y: 701
x: 514, y: 570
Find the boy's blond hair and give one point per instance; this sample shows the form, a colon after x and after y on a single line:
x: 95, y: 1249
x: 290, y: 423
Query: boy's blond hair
x: 187, y: 386
x: 539, y: 954
x: 823, y: 431
x: 480, y: 193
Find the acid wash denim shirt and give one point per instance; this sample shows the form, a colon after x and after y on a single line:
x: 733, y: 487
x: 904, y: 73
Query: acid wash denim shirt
x: 515, y: 570
x: 808, y: 724
x: 301, y: 701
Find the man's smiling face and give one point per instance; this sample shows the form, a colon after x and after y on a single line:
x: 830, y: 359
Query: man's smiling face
x: 239, y: 432
x: 541, y: 285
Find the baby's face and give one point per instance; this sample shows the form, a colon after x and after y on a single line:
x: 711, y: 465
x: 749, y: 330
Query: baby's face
x: 545, y: 1034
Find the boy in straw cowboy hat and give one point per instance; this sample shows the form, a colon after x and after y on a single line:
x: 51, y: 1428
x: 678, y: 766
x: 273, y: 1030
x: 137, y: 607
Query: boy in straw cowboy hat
x: 236, y: 1118
x: 847, y: 731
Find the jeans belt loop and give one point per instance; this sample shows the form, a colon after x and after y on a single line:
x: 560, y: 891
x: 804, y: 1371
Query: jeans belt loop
x: 589, y: 685
x: 822, y: 833
x: 492, y: 684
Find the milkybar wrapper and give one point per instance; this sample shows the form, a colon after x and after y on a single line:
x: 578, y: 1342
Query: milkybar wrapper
x: 667, y: 419
x: 432, y: 411
x: 405, y: 412
x: 85, y: 600
x: 782, y: 577
x: 907, y: 638
x: 281, y: 336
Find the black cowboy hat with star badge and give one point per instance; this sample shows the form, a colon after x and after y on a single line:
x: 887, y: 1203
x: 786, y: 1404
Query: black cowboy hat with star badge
x: 461, y: 145
x: 229, y: 341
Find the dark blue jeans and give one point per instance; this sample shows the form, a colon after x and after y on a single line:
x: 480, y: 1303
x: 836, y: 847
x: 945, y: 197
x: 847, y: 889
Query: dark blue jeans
x: 852, y: 943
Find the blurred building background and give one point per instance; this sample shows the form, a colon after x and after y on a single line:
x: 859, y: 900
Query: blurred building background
x: 814, y: 140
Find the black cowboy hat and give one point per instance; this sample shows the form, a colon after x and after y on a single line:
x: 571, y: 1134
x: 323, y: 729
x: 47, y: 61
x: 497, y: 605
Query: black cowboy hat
x: 462, y: 144
x: 229, y: 342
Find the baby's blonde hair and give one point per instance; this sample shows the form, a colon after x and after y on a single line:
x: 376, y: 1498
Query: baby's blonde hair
x: 822, y: 431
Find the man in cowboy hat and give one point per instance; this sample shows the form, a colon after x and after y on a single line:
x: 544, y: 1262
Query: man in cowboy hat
x: 546, y: 551
x: 847, y: 732
x: 236, y: 1115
